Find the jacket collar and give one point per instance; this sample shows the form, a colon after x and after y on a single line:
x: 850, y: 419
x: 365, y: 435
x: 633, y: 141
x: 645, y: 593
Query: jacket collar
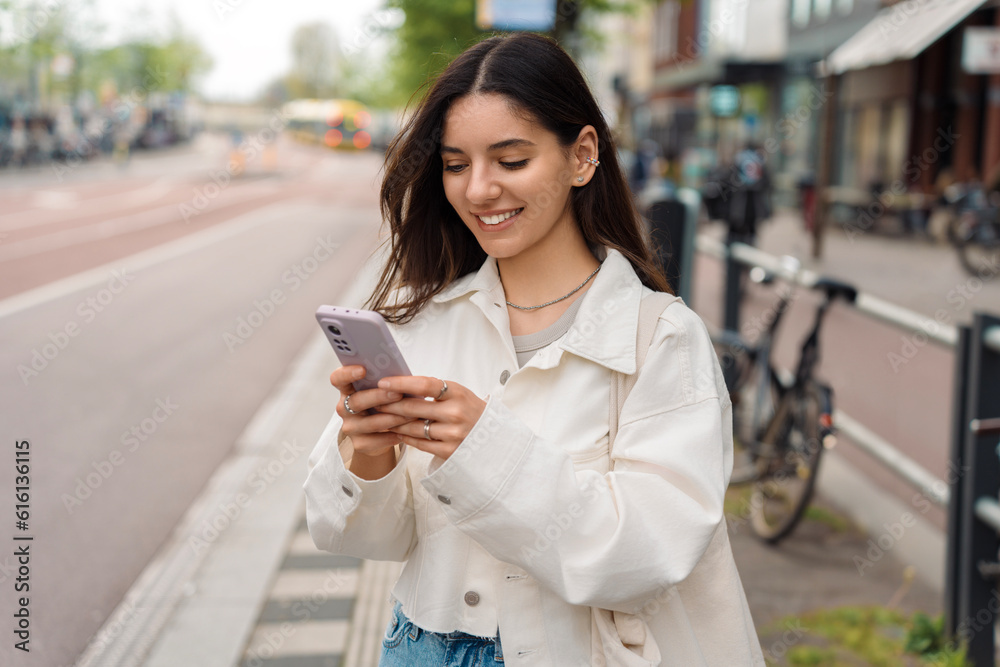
x: 604, y: 330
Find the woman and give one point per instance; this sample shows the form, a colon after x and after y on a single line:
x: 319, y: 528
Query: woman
x: 517, y: 267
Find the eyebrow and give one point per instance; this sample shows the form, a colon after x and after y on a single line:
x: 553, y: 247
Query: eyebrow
x: 506, y: 143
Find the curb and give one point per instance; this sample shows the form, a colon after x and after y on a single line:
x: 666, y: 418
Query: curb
x: 198, y: 601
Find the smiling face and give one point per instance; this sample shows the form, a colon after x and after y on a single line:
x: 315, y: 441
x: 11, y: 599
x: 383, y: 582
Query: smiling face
x: 508, y: 178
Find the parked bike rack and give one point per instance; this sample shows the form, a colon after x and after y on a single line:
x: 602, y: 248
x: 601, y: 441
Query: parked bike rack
x: 970, y: 495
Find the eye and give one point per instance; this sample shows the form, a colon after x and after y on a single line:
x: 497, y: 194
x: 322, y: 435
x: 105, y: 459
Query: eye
x: 514, y: 165
x: 454, y: 168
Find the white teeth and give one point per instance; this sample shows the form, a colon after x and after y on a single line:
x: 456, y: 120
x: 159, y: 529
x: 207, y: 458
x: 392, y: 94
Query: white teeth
x: 497, y: 219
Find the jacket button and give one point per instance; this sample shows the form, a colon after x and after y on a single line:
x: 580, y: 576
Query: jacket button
x: 445, y: 499
x: 504, y: 377
x: 350, y: 494
x: 472, y: 598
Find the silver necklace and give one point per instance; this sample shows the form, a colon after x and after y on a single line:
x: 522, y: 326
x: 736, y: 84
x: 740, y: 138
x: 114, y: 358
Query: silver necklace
x: 562, y: 298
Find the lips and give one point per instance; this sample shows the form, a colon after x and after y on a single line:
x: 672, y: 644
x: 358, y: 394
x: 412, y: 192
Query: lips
x: 497, y: 219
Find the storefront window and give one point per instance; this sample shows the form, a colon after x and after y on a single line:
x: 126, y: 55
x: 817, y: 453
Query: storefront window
x: 849, y: 150
x: 896, y: 138
x: 800, y: 12
x: 869, y: 149
x: 822, y: 9
x: 667, y: 14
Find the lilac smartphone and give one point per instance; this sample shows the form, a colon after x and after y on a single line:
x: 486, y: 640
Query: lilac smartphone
x: 361, y: 337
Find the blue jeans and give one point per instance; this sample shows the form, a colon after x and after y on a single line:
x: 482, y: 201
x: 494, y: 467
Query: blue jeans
x: 406, y: 645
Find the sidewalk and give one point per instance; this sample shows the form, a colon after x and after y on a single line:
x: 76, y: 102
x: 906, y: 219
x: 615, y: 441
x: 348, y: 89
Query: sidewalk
x: 241, y: 584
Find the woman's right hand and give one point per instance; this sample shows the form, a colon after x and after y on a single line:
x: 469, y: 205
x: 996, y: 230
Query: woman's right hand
x: 369, y: 431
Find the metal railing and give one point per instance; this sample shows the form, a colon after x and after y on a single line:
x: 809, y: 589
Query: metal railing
x: 879, y: 448
x: 970, y: 495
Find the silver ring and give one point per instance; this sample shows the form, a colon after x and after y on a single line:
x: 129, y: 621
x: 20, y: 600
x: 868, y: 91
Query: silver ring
x: 427, y: 429
x: 347, y: 404
x: 444, y: 388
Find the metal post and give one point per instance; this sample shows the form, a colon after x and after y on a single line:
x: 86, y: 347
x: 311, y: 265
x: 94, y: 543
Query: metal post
x: 959, y: 409
x: 981, y: 477
x: 691, y: 199
x: 667, y: 222
x: 731, y: 310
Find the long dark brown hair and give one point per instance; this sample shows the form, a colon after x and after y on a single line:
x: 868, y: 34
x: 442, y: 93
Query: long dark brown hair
x: 429, y: 245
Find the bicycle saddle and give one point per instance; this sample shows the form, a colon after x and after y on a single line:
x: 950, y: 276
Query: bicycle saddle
x: 833, y: 289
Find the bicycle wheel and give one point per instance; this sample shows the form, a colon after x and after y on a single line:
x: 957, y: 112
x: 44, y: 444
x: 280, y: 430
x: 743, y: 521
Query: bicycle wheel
x: 753, y: 410
x: 979, y: 249
x: 736, y: 363
x: 794, y: 444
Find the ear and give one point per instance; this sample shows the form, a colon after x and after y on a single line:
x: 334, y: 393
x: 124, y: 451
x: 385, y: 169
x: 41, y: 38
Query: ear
x: 585, y: 146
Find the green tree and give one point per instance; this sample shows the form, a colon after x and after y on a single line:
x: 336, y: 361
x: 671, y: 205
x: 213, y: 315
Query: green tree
x: 316, y: 61
x: 432, y: 34
x: 435, y: 31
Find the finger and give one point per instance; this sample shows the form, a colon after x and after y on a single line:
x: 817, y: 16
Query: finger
x: 415, y: 428
x: 376, y: 423
x: 366, y: 399
x: 435, y: 447
x: 415, y: 408
x: 343, y: 377
x: 416, y: 385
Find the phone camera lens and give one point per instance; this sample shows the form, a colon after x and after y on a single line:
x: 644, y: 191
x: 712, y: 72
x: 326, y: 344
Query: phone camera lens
x: 334, y: 330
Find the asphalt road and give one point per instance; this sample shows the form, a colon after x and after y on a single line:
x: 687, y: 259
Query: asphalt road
x: 132, y: 378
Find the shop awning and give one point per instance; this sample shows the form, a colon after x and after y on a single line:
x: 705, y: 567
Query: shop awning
x: 899, y: 32
x: 689, y: 74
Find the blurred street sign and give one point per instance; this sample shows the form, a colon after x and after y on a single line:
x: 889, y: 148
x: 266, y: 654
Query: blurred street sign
x: 62, y: 65
x: 981, y: 51
x: 724, y: 101
x: 538, y: 15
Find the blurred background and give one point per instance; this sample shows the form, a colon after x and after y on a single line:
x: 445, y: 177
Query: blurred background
x: 183, y: 183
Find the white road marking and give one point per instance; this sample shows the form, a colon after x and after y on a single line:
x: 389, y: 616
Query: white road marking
x: 109, y: 228
x: 61, y: 200
x: 143, y: 260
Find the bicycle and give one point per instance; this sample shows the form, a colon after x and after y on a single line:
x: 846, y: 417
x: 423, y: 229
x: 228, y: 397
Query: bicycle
x: 751, y: 378
x: 787, y: 427
x: 977, y: 238
x: 975, y: 228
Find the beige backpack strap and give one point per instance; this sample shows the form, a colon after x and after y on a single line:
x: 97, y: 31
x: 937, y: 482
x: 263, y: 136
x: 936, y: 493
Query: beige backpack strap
x: 650, y: 308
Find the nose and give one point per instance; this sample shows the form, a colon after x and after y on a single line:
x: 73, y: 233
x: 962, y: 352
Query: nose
x: 482, y: 186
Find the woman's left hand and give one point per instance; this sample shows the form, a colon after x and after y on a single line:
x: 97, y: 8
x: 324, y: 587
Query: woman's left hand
x: 442, y: 423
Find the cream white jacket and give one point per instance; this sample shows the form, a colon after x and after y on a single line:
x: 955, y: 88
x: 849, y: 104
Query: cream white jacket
x: 532, y: 521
